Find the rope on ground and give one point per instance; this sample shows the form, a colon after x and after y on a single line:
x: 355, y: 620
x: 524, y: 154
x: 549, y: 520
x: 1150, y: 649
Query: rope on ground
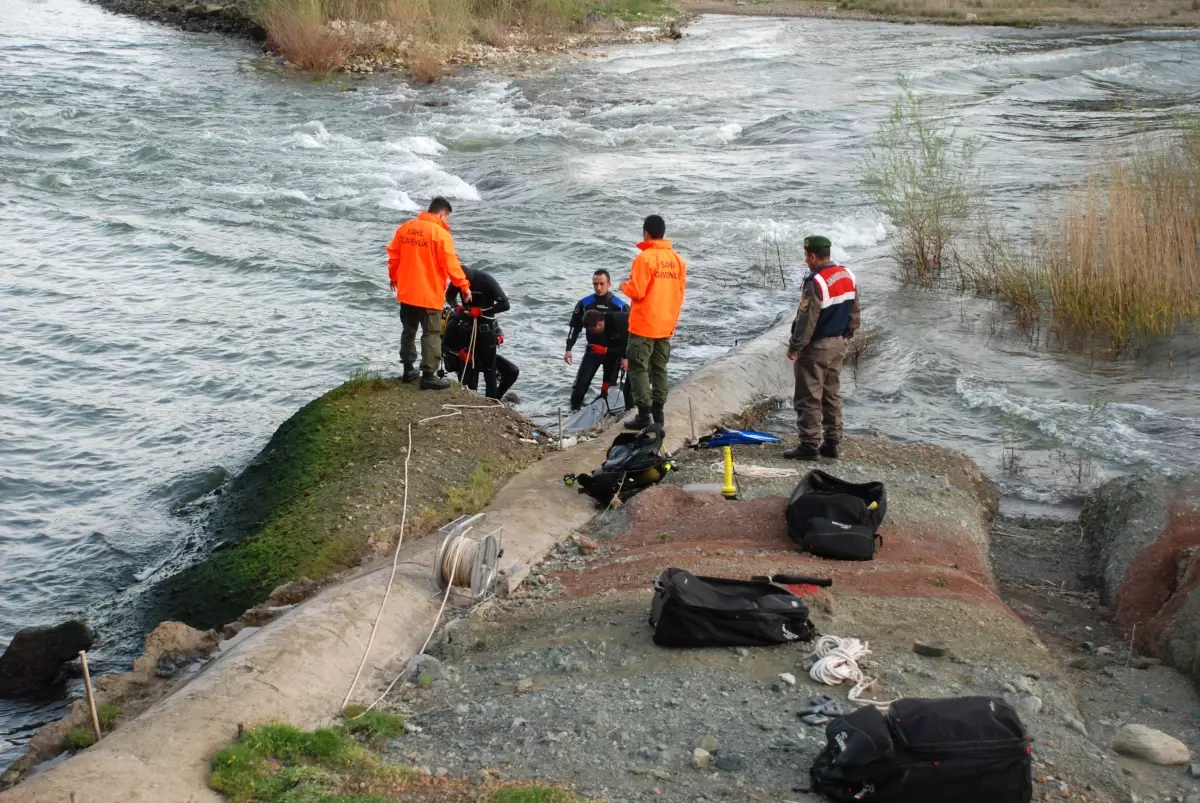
x: 764, y: 472
x: 456, y: 409
x: 388, y: 591
x: 437, y: 620
x: 837, y: 661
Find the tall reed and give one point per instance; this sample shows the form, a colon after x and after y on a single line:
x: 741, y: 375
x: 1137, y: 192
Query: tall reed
x: 1121, y: 258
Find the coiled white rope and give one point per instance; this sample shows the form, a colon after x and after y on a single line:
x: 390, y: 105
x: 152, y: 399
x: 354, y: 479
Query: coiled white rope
x: 837, y: 662
x: 765, y: 472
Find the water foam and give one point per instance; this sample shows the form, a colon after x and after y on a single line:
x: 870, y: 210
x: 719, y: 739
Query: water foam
x: 396, y: 200
x: 422, y: 146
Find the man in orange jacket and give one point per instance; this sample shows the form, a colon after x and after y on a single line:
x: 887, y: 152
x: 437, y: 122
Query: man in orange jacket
x: 420, y: 259
x: 655, y: 288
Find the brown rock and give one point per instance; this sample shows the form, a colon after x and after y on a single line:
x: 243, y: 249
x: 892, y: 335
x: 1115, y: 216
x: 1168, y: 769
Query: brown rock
x: 173, y: 637
x: 586, y: 545
x: 232, y: 629
x: 1150, y: 745
x: 931, y: 649
x: 35, y: 656
x: 292, y: 593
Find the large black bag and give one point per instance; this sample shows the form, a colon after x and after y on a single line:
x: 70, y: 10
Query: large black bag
x: 957, y: 750
x: 691, y: 611
x: 832, y: 518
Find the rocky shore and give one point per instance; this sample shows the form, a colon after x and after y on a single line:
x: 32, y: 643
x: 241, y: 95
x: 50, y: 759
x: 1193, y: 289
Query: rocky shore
x: 219, y: 16
x: 378, y: 47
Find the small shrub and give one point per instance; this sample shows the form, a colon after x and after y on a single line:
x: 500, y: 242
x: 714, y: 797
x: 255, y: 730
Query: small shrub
x: 79, y: 738
x: 108, y: 714
x: 492, y: 31
x: 299, y: 34
x: 426, y: 63
x: 922, y: 173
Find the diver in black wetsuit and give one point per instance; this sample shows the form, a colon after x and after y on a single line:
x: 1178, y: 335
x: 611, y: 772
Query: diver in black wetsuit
x: 487, y: 301
x: 610, y: 331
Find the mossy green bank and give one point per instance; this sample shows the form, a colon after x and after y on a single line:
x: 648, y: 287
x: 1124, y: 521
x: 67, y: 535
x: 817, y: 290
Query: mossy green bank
x: 327, y: 492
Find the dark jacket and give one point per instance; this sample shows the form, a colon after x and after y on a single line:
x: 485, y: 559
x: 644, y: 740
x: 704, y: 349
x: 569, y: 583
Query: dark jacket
x: 616, y: 332
x: 486, y: 293
x: 608, y: 303
x: 828, y: 306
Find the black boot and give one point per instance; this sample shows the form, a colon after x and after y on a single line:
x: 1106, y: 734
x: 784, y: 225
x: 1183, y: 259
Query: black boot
x: 434, y: 382
x: 410, y: 373
x: 805, y: 451
x: 656, y: 412
x: 639, y: 421
x: 830, y: 449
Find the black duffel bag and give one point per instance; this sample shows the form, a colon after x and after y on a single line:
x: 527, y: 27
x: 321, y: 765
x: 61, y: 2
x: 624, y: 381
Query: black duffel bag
x: 832, y: 518
x: 691, y: 611
x: 956, y: 750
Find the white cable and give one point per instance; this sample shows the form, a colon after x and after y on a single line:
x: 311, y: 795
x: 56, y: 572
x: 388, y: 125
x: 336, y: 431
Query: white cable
x: 837, y: 661
x: 456, y: 409
x: 387, y: 592
x: 764, y: 472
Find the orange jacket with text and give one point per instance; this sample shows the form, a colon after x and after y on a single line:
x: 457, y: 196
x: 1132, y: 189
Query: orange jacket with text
x: 656, y: 289
x: 420, y: 259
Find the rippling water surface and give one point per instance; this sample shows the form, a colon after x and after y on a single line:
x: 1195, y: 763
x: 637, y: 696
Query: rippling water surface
x: 191, y: 246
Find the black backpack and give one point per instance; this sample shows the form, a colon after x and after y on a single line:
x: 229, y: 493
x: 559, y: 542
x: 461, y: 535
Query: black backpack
x: 634, y: 461
x: 957, y: 750
x: 691, y: 611
x: 832, y: 518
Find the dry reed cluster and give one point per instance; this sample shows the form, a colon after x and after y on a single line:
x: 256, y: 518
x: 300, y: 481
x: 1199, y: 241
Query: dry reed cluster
x: 427, y: 31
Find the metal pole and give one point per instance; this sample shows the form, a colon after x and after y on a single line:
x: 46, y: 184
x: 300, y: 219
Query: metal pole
x: 692, y: 419
x: 560, y: 429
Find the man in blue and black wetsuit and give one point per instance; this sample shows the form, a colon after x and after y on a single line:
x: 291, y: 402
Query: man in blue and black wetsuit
x: 602, y: 300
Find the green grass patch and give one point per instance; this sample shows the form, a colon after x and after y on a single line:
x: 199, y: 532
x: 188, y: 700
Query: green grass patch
x: 283, y: 764
x: 375, y: 726
x: 108, y: 714
x: 79, y: 738
x: 530, y: 794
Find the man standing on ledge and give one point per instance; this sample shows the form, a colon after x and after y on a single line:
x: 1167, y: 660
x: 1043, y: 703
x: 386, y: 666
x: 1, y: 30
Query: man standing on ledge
x: 595, y: 354
x: 655, y: 288
x: 825, y: 322
x: 420, y: 259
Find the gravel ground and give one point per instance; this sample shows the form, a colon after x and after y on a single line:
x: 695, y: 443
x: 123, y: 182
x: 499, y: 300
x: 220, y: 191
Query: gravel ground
x: 575, y: 692
x: 554, y: 685
x: 1045, y: 572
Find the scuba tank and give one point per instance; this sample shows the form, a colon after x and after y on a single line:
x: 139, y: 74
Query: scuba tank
x: 633, y: 462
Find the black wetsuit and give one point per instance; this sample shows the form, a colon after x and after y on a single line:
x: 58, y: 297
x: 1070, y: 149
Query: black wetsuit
x: 499, y: 373
x: 592, y: 359
x: 615, y: 339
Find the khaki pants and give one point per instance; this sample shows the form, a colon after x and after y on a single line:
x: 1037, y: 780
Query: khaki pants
x: 430, y: 322
x: 818, y: 395
x: 648, y: 360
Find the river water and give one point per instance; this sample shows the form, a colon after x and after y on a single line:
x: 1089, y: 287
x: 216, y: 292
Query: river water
x: 191, y: 247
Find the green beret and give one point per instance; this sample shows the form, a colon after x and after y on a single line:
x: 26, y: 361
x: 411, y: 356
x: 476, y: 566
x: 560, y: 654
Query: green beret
x: 815, y: 242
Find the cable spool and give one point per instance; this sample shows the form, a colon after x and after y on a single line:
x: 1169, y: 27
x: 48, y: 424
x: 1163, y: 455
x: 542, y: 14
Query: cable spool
x: 468, y: 556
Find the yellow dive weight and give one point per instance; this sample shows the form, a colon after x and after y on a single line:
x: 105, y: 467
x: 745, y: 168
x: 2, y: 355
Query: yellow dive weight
x: 728, y: 490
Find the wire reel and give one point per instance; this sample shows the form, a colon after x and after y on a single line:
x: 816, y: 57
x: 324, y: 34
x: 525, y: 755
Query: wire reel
x: 469, y: 555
